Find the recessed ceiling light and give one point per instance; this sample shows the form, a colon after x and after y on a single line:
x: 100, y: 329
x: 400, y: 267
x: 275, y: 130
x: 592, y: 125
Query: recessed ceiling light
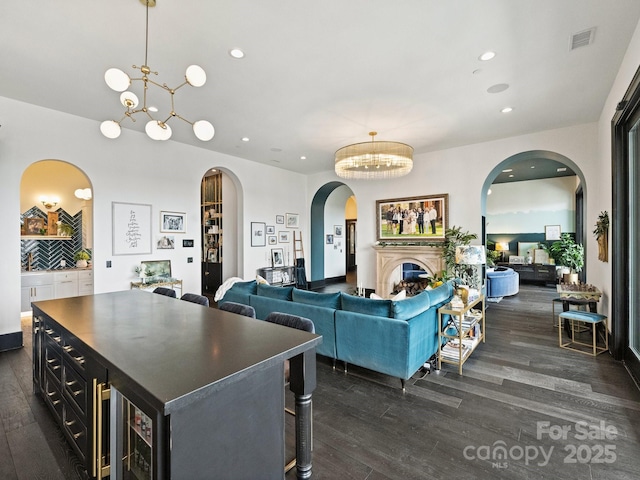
x: 303, y: 157
x: 507, y: 170
x: 497, y: 88
x: 486, y: 56
x: 245, y: 139
x: 561, y: 169
x: 511, y: 176
x: 533, y: 166
x: 236, y: 53
x: 489, y: 192
x: 507, y: 110
x: 152, y: 108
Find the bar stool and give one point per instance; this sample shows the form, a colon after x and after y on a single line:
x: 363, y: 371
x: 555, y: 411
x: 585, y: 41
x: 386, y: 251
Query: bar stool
x: 585, y: 319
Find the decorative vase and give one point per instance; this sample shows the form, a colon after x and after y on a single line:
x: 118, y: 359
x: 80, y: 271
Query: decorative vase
x: 570, y: 278
x: 81, y: 264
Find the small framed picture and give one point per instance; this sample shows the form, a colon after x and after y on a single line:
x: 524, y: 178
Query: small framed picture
x: 280, y: 219
x: 33, y: 225
x: 272, y: 239
x: 166, y: 242
x: 283, y: 236
x: 516, y: 259
x: 293, y: 220
x: 271, y: 230
x: 552, y: 232
x: 337, y: 230
x: 258, y: 235
x: 277, y: 257
x: 329, y: 238
x: 173, y: 222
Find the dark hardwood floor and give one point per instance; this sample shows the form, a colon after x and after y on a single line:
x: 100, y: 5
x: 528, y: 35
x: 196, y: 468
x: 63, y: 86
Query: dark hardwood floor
x: 551, y: 413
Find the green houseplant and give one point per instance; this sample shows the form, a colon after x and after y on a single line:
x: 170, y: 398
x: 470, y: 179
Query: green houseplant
x: 454, y: 237
x: 567, y: 253
x: 81, y: 258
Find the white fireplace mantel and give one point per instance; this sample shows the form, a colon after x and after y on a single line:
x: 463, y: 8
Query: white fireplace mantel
x: 389, y: 257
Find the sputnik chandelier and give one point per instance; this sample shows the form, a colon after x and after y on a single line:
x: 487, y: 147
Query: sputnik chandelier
x: 374, y: 160
x: 156, y: 128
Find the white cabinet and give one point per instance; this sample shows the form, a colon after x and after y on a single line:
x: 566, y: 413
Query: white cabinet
x: 35, y: 287
x: 65, y: 284
x: 85, y: 282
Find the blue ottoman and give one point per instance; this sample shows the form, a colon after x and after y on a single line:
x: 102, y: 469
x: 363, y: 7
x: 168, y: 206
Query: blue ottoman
x: 502, y: 282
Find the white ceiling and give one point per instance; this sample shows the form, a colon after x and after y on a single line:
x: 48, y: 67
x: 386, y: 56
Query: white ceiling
x: 319, y: 75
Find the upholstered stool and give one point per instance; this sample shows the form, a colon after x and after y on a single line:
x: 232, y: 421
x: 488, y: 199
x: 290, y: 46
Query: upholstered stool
x: 585, y: 319
x: 581, y: 304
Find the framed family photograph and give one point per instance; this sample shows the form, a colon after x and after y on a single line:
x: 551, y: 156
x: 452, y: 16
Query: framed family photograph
x: 293, y: 220
x: 173, y: 222
x: 277, y: 257
x: 420, y: 218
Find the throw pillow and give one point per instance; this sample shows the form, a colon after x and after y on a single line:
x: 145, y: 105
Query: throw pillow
x: 411, y: 307
x: 261, y: 281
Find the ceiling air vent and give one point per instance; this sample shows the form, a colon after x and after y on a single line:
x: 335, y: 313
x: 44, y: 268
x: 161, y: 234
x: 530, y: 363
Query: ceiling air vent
x: 582, y: 39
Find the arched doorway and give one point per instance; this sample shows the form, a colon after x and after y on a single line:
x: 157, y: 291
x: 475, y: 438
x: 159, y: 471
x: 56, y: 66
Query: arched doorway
x: 531, y: 226
x: 329, y: 244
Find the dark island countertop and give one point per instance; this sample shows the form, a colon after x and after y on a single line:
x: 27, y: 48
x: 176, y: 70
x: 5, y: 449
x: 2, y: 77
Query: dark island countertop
x: 171, y: 348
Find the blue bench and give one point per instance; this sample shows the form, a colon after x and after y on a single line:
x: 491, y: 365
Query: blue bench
x: 585, y: 318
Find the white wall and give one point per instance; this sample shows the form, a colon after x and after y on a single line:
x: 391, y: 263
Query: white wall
x: 602, y: 199
x: 526, y: 207
x: 133, y: 169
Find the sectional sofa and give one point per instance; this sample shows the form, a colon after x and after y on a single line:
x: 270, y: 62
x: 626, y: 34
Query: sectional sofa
x: 391, y: 337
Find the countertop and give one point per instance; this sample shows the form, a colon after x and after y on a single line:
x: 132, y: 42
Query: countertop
x: 170, y: 348
x: 55, y: 270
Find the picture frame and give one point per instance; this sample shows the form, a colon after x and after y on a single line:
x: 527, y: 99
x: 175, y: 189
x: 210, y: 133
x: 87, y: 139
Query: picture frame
x: 337, y: 230
x: 131, y: 228
x: 271, y: 230
x: 292, y: 220
x: 527, y: 247
x: 272, y: 239
x: 388, y: 224
x: 283, y: 236
x: 540, y: 256
x: 280, y: 219
x: 166, y: 242
x: 277, y: 257
x: 187, y: 243
x: 516, y: 259
x: 329, y: 238
x: 258, y: 235
x: 157, y: 268
x: 33, y: 225
x: 552, y: 232
x: 173, y: 222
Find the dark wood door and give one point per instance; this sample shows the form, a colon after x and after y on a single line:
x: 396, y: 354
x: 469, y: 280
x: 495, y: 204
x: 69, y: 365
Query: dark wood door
x: 351, y: 244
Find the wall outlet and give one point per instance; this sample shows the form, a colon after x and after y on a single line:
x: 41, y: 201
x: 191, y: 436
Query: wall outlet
x: 63, y: 263
x: 108, y: 263
x: 189, y: 259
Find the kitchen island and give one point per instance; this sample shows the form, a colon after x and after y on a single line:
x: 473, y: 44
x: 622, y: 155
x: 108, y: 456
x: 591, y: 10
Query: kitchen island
x: 211, y: 383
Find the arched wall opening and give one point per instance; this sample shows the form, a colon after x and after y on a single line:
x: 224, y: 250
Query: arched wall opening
x: 579, y: 193
x: 320, y: 248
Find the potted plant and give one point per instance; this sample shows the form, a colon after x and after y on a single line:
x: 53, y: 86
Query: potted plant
x: 64, y: 229
x: 567, y: 253
x: 81, y: 258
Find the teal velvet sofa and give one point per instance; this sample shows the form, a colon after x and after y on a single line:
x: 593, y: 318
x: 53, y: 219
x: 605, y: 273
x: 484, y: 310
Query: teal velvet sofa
x: 391, y: 337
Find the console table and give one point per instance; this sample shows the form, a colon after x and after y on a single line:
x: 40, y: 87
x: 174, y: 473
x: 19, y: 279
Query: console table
x: 534, y: 272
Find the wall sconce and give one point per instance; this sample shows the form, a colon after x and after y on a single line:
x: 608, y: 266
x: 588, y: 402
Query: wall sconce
x: 83, y: 193
x: 49, y: 203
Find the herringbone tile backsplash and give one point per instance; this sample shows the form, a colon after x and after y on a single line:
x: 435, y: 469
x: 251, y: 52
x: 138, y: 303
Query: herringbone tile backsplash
x: 48, y: 253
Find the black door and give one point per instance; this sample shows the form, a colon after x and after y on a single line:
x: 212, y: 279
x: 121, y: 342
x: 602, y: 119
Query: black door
x: 351, y: 245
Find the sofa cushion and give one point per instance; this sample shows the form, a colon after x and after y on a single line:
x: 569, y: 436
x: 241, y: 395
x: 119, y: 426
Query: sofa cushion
x: 245, y: 287
x: 280, y: 293
x: 409, y: 308
x: 441, y: 295
x: 380, y: 308
x: 328, y: 300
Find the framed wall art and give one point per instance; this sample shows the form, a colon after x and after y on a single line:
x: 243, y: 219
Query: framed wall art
x: 131, y: 226
x: 280, y: 219
x: 277, y: 257
x: 33, y: 226
x: 271, y: 230
x: 283, y: 236
x: 552, y: 232
x: 272, y: 239
x: 292, y: 220
x: 258, y: 234
x: 173, y: 222
x: 419, y: 218
x: 337, y: 230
